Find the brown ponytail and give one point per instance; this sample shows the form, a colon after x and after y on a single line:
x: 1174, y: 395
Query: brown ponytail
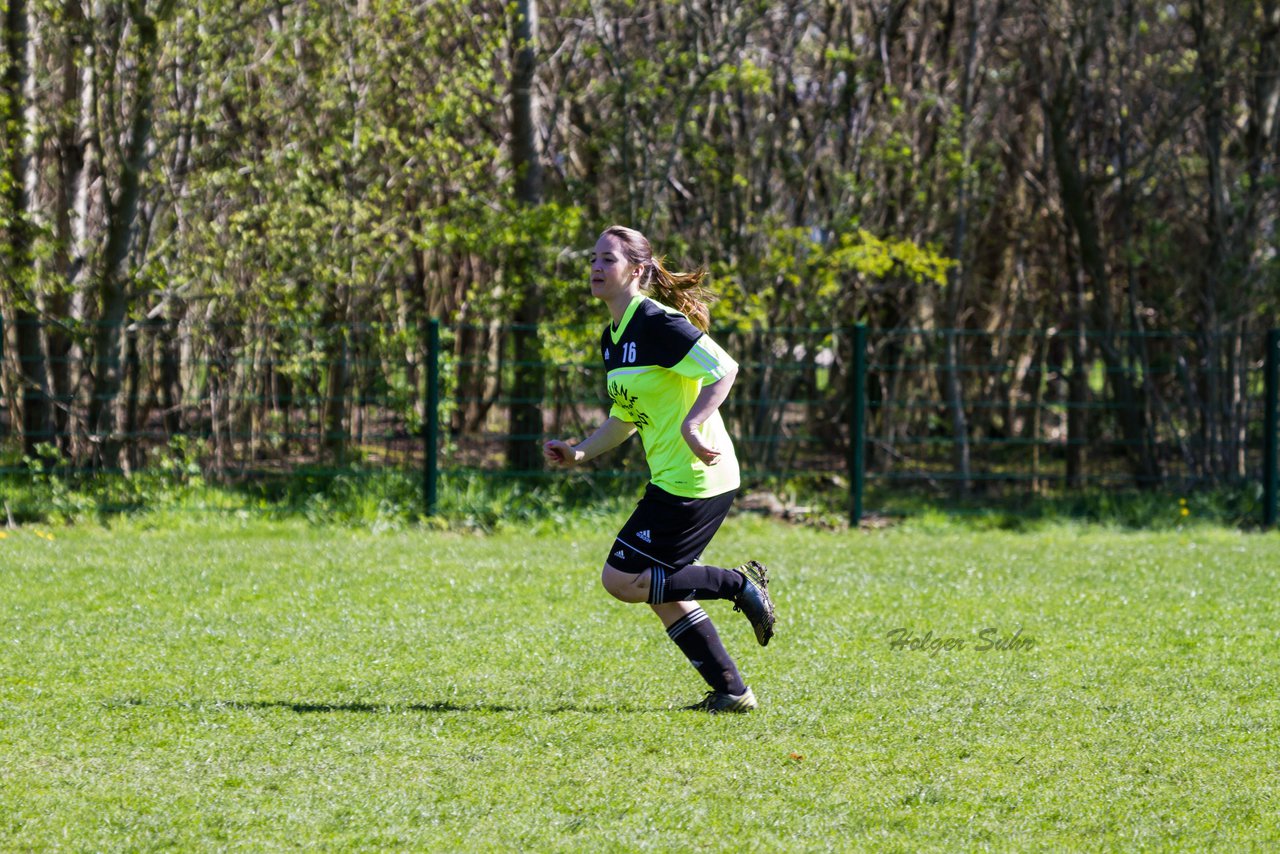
x: 682, y: 291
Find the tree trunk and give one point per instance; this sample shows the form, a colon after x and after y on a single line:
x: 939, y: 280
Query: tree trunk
x: 955, y: 304
x: 130, y: 437
x: 72, y: 131
x: 1137, y: 352
x: 1091, y: 270
x: 20, y: 132
x: 1077, y: 392
x: 336, y: 377
x: 79, y: 272
x: 170, y: 391
x: 528, y: 387
x: 122, y: 213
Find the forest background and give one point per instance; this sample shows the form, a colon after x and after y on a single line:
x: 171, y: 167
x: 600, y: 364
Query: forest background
x: 232, y: 221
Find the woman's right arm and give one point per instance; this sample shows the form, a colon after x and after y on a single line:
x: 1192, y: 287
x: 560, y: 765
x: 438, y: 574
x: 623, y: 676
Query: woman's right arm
x: 609, y: 435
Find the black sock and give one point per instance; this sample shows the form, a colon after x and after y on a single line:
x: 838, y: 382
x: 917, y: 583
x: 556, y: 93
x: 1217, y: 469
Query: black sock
x: 693, y: 582
x: 698, y: 640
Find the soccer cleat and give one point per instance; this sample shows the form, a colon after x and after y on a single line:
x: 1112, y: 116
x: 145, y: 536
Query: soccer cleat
x: 716, y: 702
x: 754, y: 600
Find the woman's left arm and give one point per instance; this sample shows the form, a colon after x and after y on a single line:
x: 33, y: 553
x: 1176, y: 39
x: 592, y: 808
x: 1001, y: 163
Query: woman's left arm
x: 709, y: 400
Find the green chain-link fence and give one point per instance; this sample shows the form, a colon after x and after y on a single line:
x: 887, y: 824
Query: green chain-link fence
x: 950, y: 414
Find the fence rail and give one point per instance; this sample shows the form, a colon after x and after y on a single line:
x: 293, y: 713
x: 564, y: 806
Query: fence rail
x: 957, y: 413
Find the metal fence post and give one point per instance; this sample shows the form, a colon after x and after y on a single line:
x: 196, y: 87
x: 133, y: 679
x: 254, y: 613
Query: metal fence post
x: 431, y: 463
x: 857, y: 422
x: 1271, y: 456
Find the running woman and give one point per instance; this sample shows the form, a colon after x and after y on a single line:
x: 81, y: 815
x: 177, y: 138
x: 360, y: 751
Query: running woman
x: 667, y: 379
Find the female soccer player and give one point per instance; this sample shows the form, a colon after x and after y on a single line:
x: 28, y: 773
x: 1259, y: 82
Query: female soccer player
x: 667, y: 379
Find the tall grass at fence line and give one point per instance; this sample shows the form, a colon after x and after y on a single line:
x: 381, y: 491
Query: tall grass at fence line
x: 383, y: 497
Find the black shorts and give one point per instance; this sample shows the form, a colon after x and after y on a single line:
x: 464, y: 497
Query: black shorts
x: 668, y: 531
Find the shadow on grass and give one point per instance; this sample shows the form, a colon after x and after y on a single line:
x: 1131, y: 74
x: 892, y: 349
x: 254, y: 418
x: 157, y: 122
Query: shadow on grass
x: 374, y: 708
x: 442, y: 707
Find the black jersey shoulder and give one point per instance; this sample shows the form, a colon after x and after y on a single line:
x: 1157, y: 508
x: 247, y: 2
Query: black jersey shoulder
x: 652, y: 337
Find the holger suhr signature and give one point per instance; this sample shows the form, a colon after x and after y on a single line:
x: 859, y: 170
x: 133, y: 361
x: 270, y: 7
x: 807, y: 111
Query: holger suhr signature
x: 986, y: 640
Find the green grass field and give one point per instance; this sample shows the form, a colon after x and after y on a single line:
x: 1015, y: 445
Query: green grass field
x: 221, y: 684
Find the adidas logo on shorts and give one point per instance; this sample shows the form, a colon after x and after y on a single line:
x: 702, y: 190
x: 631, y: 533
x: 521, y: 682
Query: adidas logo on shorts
x: 644, y: 535
x: 620, y: 554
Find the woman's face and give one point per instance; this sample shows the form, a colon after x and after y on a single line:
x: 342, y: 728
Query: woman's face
x: 611, y: 272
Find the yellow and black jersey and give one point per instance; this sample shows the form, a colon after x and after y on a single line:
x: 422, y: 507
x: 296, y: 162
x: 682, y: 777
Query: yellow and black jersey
x: 658, y: 362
